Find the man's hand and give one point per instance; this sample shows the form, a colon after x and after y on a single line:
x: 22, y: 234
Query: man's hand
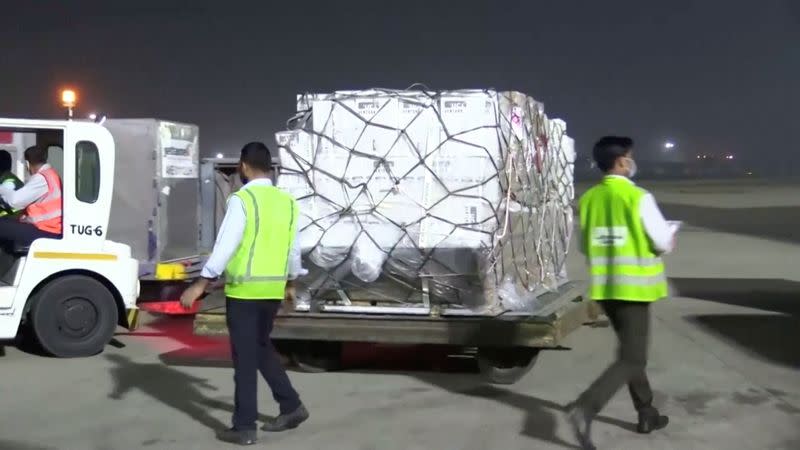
x: 288, y: 297
x: 193, y: 292
x: 290, y: 293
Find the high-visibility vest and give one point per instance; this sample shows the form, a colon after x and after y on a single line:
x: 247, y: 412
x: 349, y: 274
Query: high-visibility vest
x: 45, y: 213
x: 623, y: 264
x: 259, y: 268
x: 8, y: 176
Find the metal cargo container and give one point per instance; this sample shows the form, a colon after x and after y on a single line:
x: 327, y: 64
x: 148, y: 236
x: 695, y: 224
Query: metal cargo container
x: 154, y: 208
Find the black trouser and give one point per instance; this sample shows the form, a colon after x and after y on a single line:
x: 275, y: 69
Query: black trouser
x: 16, y: 233
x: 249, y: 325
x: 631, y: 322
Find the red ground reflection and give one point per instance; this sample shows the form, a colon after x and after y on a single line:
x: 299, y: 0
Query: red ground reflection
x: 179, y: 329
x: 173, y: 308
x: 215, y: 351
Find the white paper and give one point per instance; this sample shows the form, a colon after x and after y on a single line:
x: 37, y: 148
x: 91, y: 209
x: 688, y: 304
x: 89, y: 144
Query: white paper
x: 179, y: 151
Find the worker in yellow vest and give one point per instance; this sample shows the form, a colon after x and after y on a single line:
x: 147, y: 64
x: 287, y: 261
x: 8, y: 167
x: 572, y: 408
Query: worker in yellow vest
x: 7, y: 177
x: 8, y: 180
x: 623, y: 234
x: 257, y: 252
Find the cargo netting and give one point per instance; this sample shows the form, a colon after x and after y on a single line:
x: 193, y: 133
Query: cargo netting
x: 419, y: 201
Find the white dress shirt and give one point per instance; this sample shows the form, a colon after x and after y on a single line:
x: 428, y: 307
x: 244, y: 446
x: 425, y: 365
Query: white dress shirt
x: 655, y: 226
x: 34, y: 189
x: 230, y: 235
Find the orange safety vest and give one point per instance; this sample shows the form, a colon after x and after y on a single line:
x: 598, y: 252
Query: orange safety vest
x: 45, y: 213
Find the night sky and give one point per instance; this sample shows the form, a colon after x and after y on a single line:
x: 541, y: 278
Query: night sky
x: 714, y: 76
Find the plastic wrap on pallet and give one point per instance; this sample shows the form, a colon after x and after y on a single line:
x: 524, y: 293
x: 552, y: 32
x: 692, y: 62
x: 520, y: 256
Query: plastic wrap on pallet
x: 459, y: 198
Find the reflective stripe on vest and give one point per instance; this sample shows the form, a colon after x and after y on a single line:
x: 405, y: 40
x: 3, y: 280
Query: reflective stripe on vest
x: 13, y: 178
x: 8, y: 176
x: 45, y: 213
x: 622, y: 264
x: 259, y: 268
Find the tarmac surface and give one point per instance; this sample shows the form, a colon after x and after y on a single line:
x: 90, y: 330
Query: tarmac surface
x: 725, y: 365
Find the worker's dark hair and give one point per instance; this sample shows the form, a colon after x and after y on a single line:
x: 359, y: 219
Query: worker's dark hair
x: 609, y: 149
x: 36, y: 154
x: 5, y: 161
x: 257, y: 156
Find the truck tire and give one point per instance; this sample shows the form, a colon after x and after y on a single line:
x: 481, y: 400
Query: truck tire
x: 317, y: 356
x: 73, y: 316
x: 506, y: 365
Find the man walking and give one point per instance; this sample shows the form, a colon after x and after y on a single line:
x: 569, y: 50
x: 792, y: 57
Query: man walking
x: 256, y: 249
x: 623, y: 235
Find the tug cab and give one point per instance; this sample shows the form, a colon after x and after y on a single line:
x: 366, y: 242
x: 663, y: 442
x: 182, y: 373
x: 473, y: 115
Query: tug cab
x: 70, y: 292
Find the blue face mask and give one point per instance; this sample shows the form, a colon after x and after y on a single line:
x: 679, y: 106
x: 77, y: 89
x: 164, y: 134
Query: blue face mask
x: 242, y: 175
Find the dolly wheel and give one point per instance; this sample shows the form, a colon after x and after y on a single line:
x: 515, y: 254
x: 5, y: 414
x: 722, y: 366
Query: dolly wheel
x: 506, y: 365
x: 317, y: 356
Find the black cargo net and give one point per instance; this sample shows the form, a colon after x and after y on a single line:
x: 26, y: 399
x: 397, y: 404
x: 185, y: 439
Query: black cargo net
x: 475, y: 217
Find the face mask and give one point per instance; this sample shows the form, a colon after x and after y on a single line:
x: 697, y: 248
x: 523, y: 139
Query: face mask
x: 631, y: 167
x: 242, y: 176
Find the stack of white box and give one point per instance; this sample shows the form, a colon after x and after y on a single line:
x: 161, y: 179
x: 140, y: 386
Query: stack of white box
x: 400, y: 183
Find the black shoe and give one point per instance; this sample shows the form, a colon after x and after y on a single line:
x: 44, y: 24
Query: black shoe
x: 582, y: 427
x: 650, y: 421
x: 241, y: 437
x: 286, y: 421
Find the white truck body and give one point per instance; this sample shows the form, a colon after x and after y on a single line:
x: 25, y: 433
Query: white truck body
x: 74, y: 290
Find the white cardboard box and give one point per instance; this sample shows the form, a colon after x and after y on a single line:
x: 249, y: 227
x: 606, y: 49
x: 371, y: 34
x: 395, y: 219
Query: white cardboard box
x: 366, y: 149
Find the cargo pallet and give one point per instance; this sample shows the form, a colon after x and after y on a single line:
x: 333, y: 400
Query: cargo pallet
x: 507, y: 346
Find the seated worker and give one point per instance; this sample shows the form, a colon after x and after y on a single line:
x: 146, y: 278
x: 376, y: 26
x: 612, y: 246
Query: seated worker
x: 7, y: 178
x: 40, y: 198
